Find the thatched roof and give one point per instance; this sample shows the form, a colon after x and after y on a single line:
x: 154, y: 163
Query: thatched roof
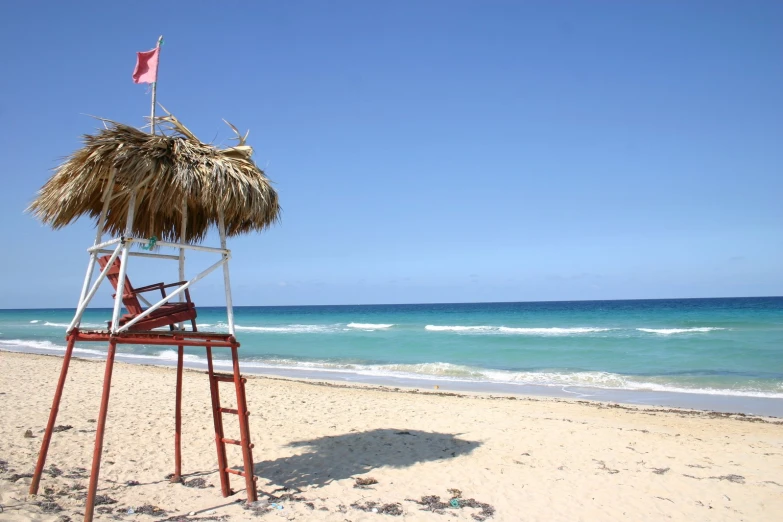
x: 167, y: 169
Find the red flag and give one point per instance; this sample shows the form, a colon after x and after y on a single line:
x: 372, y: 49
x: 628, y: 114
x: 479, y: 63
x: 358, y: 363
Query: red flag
x: 146, y: 70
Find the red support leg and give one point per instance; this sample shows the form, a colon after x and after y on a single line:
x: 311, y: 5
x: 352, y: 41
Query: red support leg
x: 178, y: 419
x: 52, y: 416
x: 244, y: 429
x: 96, y: 456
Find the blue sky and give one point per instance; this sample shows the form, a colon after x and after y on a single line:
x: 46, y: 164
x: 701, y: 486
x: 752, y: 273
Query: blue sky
x: 428, y: 151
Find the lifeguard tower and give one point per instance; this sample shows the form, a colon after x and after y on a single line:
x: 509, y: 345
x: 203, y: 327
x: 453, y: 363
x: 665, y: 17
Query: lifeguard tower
x: 162, y: 192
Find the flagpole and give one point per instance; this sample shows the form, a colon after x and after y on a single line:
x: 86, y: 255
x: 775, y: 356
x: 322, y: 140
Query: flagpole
x: 155, y: 87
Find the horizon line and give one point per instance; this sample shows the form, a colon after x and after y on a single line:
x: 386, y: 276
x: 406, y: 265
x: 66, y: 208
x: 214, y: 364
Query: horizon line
x: 447, y: 303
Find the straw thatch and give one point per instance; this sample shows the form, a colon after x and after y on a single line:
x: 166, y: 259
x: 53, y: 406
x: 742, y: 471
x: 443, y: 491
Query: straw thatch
x: 167, y: 170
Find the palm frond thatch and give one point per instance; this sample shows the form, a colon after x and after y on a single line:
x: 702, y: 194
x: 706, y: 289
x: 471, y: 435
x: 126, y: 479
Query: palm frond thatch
x: 167, y: 170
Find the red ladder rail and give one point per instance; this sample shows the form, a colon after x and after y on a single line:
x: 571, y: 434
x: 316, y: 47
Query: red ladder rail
x: 244, y: 427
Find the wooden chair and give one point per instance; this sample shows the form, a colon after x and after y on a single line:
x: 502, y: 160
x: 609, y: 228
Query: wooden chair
x: 167, y: 315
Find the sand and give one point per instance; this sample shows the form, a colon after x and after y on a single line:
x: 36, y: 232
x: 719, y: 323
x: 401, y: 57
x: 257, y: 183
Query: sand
x: 511, y: 458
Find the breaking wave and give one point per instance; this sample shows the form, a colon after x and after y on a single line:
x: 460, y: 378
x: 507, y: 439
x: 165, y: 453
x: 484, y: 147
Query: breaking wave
x: 516, y: 331
x: 369, y: 326
x: 670, y: 331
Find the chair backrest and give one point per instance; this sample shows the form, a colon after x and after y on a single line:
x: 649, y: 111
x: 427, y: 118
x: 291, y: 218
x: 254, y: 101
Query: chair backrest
x: 129, y: 299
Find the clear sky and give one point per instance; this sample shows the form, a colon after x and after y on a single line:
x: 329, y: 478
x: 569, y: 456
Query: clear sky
x: 428, y: 151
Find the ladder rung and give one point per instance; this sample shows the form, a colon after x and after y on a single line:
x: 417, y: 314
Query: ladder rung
x: 227, y: 378
x: 235, y: 472
x: 231, y: 441
x: 229, y: 410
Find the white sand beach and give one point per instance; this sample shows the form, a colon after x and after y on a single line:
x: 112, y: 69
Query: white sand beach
x: 517, y: 458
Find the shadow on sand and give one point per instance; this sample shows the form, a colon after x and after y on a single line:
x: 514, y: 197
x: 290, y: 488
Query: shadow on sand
x: 342, y: 456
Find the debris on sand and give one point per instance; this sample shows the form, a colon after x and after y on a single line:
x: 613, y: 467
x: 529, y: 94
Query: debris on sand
x: 455, y: 493
x: 605, y: 468
x: 364, y: 482
x: 62, y: 427
x: 258, y: 508
x: 28, y: 434
x: 185, y: 518
x: 54, y: 471
x: 104, y: 499
x: 49, y: 506
x: 199, y: 483
x: 431, y: 503
x: 737, y: 479
x: 434, y: 504
x: 77, y: 473
x: 17, y: 476
x: 148, y: 509
x: 486, y: 510
x: 394, y: 509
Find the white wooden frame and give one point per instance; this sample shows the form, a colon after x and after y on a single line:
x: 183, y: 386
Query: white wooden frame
x: 121, y: 249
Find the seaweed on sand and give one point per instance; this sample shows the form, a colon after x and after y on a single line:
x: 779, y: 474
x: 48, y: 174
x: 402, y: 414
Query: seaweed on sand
x: 199, y: 483
x: 434, y: 504
x: 148, y: 509
x: 394, y: 509
x: 364, y: 482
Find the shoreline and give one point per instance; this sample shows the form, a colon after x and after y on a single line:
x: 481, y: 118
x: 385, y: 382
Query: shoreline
x: 727, y: 404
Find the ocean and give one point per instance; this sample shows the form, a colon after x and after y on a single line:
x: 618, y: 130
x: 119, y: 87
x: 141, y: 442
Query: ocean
x: 724, y: 354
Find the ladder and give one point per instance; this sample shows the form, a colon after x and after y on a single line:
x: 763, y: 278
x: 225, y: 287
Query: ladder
x: 244, y: 426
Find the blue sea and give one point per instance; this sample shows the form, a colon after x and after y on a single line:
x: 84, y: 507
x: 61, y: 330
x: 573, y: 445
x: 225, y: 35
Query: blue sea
x: 723, y: 354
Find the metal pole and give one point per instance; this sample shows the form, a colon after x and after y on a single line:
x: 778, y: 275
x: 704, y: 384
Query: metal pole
x: 178, y: 419
x: 182, y: 240
x: 226, y: 275
x: 155, y: 87
x: 115, y: 318
x: 180, y: 356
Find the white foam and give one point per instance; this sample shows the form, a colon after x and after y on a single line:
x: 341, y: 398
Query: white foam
x: 369, y: 326
x: 670, y: 331
x: 66, y: 325
x: 435, y: 328
x: 516, y: 331
x: 292, y: 328
x: 443, y: 371
x: 171, y: 355
x: 34, y: 321
x: 47, y: 345
x: 551, y: 331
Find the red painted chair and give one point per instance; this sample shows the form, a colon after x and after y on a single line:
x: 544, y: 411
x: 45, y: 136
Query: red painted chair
x: 167, y: 315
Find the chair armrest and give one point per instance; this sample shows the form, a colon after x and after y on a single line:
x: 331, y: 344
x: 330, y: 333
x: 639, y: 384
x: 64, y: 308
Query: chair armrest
x: 161, y: 287
x: 178, y: 283
x: 156, y: 286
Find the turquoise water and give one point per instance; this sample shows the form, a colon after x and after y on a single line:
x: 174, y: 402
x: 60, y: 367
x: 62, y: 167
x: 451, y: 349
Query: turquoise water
x: 724, y: 347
